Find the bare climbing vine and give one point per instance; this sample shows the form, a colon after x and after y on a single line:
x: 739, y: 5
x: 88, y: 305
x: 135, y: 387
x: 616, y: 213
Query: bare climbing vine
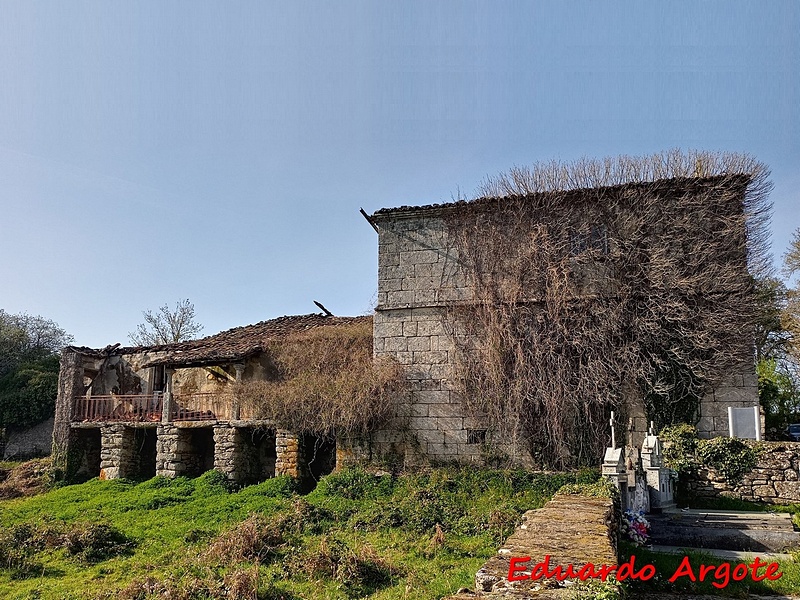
x: 600, y: 283
x: 326, y: 382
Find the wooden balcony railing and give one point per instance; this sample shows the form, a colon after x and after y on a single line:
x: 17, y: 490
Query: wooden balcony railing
x: 141, y: 408
x: 118, y: 408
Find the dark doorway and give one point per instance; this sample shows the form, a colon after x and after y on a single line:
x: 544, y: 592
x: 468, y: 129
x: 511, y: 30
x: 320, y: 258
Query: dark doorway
x: 257, y: 454
x: 83, y: 462
x: 319, y: 455
x: 138, y: 453
x: 198, y: 456
x: 144, y: 444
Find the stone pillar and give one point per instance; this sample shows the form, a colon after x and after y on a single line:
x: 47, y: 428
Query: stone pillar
x: 290, y: 460
x: 70, y: 386
x: 167, y: 451
x: 112, y: 451
x: 227, y: 448
x: 166, y: 410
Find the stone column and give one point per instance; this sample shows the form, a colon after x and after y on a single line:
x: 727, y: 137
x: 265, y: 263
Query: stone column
x: 166, y: 410
x: 227, y: 448
x: 112, y: 450
x: 167, y: 451
x: 290, y: 460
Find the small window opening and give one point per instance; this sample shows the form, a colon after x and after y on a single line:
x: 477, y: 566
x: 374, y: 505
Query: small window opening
x: 596, y: 239
x: 476, y: 436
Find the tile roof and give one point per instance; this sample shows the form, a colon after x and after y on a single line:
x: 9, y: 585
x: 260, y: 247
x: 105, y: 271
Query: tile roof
x: 231, y: 345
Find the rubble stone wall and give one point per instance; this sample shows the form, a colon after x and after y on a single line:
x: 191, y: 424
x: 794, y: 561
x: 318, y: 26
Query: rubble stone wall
x: 30, y: 442
x: 775, y: 480
x: 244, y: 454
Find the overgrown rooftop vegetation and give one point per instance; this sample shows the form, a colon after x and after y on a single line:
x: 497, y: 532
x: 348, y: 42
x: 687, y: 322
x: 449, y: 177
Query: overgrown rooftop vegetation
x: 326, y: 382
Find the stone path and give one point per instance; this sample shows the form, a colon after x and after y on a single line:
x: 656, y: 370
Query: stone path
x: 569, y: 529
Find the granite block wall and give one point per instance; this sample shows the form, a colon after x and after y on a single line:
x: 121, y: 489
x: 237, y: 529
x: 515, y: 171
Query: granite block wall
x: 419, y: 279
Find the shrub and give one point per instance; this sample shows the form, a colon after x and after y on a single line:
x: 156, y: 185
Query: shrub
x: 95, y: 542
x: 603, y: 488
x: 680, y: 444
x: 355, y: 483
x: 213, y: 482
x: 358, y: 570
x: 282, y: 486
x: 326, y: 381
x: 253, y: 539
x: 730, y: 457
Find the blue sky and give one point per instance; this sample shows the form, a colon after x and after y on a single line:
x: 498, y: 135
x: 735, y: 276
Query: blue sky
x: 220, y: 152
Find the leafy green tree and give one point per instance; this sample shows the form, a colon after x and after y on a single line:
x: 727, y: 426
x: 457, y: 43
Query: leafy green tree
x: 29, y: 347
x: 790, y: 315
x: 26, y: 338
x: 771, y: 337
x: 778, y: 393
x: 28, y: 393
x: 778, y: 342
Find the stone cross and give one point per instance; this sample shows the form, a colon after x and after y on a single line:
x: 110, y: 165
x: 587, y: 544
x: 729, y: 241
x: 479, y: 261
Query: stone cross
x: 613, y: 436
x: 652, y: 430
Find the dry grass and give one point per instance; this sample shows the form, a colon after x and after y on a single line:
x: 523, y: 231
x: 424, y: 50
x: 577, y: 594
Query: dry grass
x: 326, y: 381
x: 555, y: 337
x: 252, y: 539
x: 25, y: 479
x: 239, y: 583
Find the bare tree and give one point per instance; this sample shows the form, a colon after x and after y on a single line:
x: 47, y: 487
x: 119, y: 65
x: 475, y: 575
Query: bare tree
x: 167, y: 326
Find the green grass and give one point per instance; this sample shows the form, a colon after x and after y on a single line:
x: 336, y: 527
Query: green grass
x: 417, y: 536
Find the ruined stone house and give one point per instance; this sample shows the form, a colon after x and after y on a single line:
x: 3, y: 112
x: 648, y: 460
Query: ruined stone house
x: 168, y: 410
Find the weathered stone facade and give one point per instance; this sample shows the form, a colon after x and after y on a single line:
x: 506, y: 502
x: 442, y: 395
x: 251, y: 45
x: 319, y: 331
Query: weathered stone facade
x: 419, y: 280
x: 245, y: 451
x: 245, y: 454
x: 775, y: 479
x: 174, y: 411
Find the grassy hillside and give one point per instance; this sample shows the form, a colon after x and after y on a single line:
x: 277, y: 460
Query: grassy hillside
x: 416, y: 536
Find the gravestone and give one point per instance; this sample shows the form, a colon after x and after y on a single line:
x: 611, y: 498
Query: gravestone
x: 638, y: 495
x: 659, y: 478
x: 614, y: 466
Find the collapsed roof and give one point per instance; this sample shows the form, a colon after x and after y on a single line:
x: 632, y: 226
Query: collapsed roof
x: 228, y: 346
